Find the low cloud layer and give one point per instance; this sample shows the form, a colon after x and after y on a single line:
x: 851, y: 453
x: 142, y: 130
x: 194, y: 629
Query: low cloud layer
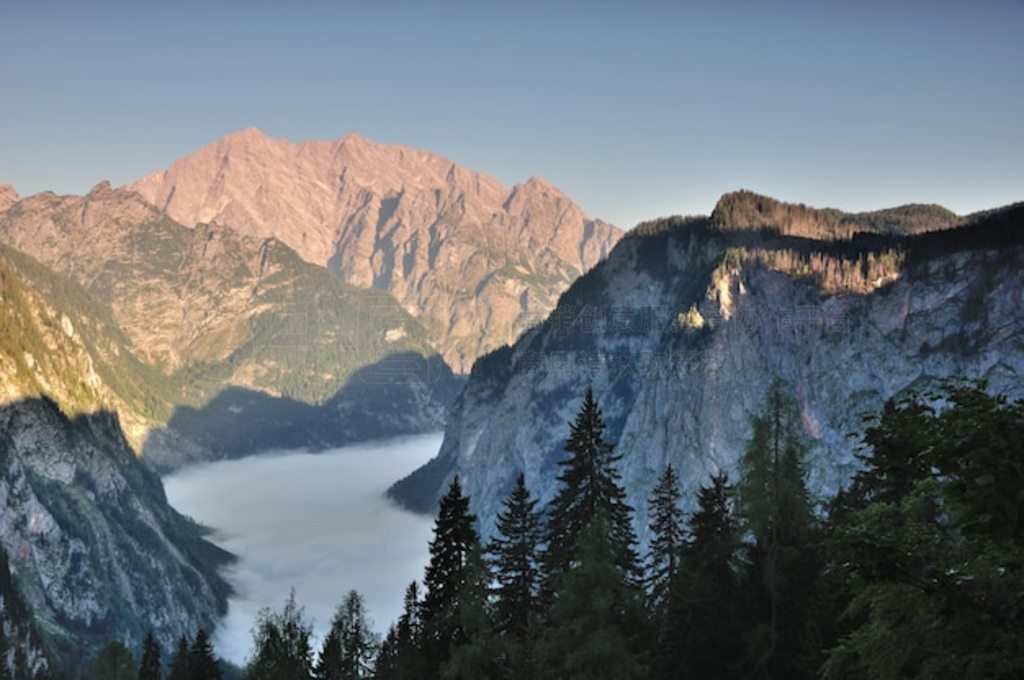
x: 317, y: 522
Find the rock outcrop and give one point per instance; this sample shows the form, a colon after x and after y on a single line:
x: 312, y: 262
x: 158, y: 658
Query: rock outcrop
x: 98, y: 552
x: 478, y: 263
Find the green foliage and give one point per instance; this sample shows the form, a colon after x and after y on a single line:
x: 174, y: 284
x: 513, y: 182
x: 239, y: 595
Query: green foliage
x: 596, y: 624
x: 515, y: 558
x: 400, y: 656
x: 202, y: 664
x: 350, y: 647
x: 930, y: 540
x: 479, y: 652
x: 777, y: 514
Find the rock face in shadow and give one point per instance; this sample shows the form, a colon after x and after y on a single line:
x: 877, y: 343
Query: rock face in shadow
x: 97, y: 551
x: 681, y: 330
x: 477, y: 262
x: 402, y: 394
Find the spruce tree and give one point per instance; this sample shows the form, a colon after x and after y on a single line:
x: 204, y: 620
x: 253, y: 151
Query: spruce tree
x: 149, y: 665
x: 179, y: 664
x: 202, y: 664
x: 666, y: 538
x: 783, y: 563
x: 479, y: 653
x: 350, y: 647
x: 596, y: 626
x: 454, y: 538
x: 697, y: 638
x: 589, y: 484
x: 401, y: 656
x: 515, y: 559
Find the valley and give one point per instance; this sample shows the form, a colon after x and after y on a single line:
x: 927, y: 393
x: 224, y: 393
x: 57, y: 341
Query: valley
x: 316, y: 523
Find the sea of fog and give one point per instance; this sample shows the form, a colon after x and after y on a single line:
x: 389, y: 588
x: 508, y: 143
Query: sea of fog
x: 318, y: 523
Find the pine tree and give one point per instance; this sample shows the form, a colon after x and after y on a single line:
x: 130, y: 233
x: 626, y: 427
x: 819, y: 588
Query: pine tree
x: 783, y: 565
x: 149, y: 665
x: 596, y: 624
x: 446, y: 573
x: 697, y: 638
x: 667, y: 538
x: 282, y: 644
x: 202, y: 664
x: 114, y: 662
x: 589, y: 484
x: 179, y: 664
x: 514, y: 554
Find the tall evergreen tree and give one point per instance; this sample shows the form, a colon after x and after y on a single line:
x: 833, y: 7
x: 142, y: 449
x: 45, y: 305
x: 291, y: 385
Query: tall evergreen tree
x: 202, y: 664
x: 783, y: 564
x: 697, y: 638
x: 445, y: 577
x: 515, y: 558
x: 667, y: 538
x: 596, y: 626
x: 282, y: 645
x: 149, y: 665
x: 350, y: 647
x: 932, y: 542
x: 179, y: 669
x: 589, y: 484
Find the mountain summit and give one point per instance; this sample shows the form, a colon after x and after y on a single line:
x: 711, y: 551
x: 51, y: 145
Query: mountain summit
x: 478, y: 262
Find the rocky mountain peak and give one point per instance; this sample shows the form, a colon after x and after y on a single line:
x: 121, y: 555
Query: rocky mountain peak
x: 477, y: 261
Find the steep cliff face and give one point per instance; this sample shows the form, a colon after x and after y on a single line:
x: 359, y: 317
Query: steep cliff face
x: 686, y: 324
x: 181, y: 317
x: 475, y: 261
x: 97, y: 551
x: 22, y: 653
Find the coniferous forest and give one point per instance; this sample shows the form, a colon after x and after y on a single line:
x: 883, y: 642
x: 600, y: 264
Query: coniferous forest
x: 914, y: 569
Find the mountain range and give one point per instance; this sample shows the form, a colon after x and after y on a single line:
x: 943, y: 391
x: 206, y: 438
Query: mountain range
x: 263, y: 294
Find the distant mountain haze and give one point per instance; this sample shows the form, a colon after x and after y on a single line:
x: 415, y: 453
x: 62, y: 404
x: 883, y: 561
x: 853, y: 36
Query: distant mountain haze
x: 477, y: 262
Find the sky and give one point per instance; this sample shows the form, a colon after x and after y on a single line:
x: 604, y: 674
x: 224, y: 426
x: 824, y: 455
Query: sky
x: 318, y: 523
x: 635, y: 109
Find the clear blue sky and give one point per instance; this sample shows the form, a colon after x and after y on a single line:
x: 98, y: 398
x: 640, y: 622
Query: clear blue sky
x: 635, y: 109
